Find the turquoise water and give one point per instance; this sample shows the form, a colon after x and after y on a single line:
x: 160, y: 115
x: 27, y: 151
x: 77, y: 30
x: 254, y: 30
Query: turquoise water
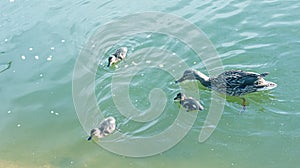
x: 38, y: 122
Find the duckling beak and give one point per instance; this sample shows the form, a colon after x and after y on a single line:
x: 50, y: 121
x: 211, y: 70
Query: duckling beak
x: 177, y: 98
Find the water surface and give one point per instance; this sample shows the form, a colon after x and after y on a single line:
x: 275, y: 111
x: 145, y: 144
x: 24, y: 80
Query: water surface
x: 38, y: 123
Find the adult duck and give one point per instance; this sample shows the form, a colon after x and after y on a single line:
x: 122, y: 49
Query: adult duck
x: 232, y: 82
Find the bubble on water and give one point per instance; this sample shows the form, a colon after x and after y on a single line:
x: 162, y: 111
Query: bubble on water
x: 23, y: 57
x: 148, y: 36
x: 52, y: 112
x: 49, y: 58
x: 18, y: 125
x: 9, y: 111
x: 36, y: 57
x: 56, y: 113
x: 63, y: 41
x: 148, y: 62
x: 52, y: 48
x: 11, y: 0
x: 133, y: 63
x: 194, y: 62
x: 5, y: 40
x: 161, y: 65
x: 142, y: 74
x: 30, y: 49
x: 173, y: 53
x: 41, y: 75
x: 126, y: 66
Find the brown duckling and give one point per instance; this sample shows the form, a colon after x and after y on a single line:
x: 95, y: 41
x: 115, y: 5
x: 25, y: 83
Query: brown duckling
x: 107, y: 127
x: 118, y: 56
x: 189, y: 103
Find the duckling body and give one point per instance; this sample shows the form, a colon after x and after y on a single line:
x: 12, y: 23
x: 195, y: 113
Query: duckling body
x: 233, y: 82
x: 189, y: 103
x: 107, y: 127
x: 118, y: 56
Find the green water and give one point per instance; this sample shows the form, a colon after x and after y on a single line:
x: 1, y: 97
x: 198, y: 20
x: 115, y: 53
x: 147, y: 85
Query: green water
x: 38, y: 122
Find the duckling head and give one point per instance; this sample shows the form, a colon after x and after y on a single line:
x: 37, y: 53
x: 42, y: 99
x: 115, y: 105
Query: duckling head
x: 95, y: 132
x: 179, y: 96
x: 121, y: 53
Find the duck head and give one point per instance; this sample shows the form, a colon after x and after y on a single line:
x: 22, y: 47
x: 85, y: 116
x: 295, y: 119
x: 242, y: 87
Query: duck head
x: 187, y: 75
x: 192, y: 74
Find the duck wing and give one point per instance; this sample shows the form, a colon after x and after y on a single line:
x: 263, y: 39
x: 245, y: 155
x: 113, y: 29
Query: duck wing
x: 240, y: 78
x: 238, y: 82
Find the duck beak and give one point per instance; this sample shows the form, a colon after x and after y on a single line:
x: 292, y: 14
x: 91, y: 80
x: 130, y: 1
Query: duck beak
x: 89, y: 138
x: 179, y: 80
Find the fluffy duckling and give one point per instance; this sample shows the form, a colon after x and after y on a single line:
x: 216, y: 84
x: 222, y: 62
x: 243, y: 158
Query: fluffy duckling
x: 118, y: 56
x: 107, y: 127
x: 189, y: 103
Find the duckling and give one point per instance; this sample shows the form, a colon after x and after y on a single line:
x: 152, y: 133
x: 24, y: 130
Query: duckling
x: 118, y: 56
x: 189, y: 103
x: 232, y: 82
x: 107, y: 127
